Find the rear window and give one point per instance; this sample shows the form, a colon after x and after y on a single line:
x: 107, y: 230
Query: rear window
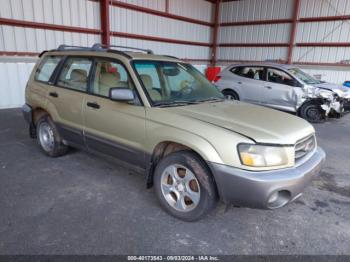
x: 46, y: 68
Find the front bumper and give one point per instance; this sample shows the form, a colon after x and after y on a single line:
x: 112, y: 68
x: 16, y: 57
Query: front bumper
x: 265, y: 189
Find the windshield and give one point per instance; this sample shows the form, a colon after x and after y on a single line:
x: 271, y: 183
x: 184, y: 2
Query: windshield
x: 307, y: 79
x: 172, y: 83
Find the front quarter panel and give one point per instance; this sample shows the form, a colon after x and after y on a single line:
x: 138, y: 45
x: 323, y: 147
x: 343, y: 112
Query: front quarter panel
x: 212, y: 143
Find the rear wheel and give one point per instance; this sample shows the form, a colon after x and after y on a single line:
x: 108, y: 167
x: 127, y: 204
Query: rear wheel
x: 48, y: 138
x: 184, y: 186
x: 230, y: 95
x: 312, y: 112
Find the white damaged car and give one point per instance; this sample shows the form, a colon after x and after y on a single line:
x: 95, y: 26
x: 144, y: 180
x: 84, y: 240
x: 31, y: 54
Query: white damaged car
x: 284, y: 87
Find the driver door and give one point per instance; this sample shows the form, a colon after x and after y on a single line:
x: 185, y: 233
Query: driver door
x: 279, y: 91
x: 114, y: 128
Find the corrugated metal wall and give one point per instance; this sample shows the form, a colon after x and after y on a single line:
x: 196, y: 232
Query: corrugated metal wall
x: 331, y: 31
x: 86, y: 14
x: 130, y: 21
x: 80, y: 13
x: 253, y: 10
x: 14, y: 76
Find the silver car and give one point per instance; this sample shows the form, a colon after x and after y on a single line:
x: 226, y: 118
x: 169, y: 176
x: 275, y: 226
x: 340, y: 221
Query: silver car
x: 284, y: 87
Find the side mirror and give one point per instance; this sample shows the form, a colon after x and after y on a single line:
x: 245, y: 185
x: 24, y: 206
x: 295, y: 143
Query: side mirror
x: 121, y: 94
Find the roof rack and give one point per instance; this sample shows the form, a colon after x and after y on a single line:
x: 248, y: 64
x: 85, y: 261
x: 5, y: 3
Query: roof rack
x: 99, y: 46
x: 172, y: 56
x: 74, y: 48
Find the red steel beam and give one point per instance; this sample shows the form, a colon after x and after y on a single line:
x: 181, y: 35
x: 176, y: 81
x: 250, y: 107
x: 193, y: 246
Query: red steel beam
x: 158, y: 13
x: 253, y: 45
x: 257, y: 22
x: 215, y: 32
x: 36, y: 25
x: 324, y: 18
x: 105, y: 27
x: 283, y: 62
x: 159, y: 39
x: 321, y: 64
x: 242, y: 61
x: 324, y: 44
x: 286, y: 21
x: 11, y: 53
x: 293, y: 30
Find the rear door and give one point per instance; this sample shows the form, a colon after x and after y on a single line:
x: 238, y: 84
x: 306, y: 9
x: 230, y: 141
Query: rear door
x: 111, y: 127
x: 66, y: 98
x: 279, y: 91
x: 249, y: 83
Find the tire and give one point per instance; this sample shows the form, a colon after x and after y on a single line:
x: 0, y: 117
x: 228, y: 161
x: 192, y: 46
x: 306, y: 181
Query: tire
x: 184, y: 186
x: 230, y: 95
x: 48, y: 138
x: 312, y: 112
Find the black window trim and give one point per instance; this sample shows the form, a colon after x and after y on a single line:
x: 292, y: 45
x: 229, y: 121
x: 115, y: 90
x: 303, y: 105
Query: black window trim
x: 59, y: 71
x: 91, y: 78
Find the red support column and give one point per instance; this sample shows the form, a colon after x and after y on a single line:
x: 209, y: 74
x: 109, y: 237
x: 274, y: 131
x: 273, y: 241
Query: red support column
x: 215, y: 32
x: 293, y: 30
x: 105, y: 27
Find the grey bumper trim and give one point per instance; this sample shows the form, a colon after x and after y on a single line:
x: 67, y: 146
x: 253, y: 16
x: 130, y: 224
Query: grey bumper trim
x: 253, y: 189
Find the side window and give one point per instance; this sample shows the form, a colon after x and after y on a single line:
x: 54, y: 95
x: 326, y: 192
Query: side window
x: 256, y: 73
x: 279, y: 77
x: 149, y: 75
x: 109, y: 75
x: 46, y: 68
x: 75, y: 73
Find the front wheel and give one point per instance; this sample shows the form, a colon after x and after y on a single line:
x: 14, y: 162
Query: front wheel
x: 184, y: 186
x: 312, y: 112
x: 230, y: 95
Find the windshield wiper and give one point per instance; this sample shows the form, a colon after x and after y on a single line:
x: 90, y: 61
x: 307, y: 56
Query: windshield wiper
x: 175, y: 103
x: 212, y: 99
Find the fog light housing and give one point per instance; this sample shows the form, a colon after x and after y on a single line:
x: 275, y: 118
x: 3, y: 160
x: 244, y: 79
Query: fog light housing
x: 278, y: 199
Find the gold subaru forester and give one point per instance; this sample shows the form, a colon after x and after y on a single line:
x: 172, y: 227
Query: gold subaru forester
x: 161, y: 114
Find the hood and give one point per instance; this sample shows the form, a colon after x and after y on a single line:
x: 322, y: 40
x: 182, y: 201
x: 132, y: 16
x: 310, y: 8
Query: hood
x: 334, y: 87
x: 261, y: 124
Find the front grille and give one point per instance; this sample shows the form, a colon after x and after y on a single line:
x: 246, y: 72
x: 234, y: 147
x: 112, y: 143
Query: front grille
x: 304, y: 147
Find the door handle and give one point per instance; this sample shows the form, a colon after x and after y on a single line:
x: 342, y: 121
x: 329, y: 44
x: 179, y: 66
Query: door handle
x: 53, y: 94
x: 268, y: 87
x: 93, y: 105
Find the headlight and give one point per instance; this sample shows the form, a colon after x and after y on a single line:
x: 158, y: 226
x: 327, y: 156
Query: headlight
x: 262, y: 156
x: 326, y: 95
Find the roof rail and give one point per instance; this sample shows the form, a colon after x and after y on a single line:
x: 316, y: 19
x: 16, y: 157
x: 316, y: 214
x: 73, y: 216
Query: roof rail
x: 73, y: 47
x: 97, y: 46
x: 172, y: 56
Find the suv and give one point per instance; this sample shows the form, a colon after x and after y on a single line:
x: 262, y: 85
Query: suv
x: 284, y: 87
x: 164, y: 116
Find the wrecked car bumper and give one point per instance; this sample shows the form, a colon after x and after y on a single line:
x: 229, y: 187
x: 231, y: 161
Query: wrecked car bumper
x: 266, y: 189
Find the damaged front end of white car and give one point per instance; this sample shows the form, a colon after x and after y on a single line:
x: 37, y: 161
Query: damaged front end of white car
x: 320, y: 102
